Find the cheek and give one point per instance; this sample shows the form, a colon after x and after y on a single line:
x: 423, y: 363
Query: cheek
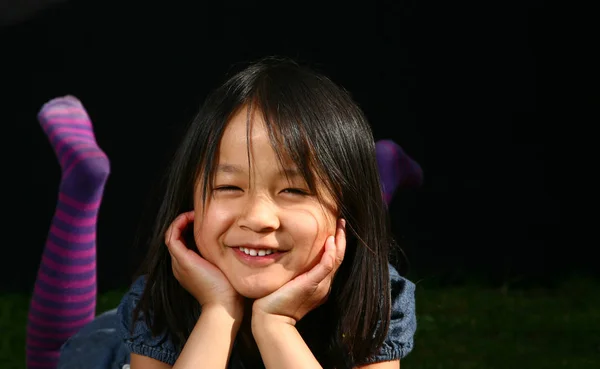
x: 310, y: 228
x: 199, y: 233
x: 210, y: 227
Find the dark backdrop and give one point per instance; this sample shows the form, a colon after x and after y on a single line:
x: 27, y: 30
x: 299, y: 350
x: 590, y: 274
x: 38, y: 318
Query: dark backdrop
x: 481, y: 95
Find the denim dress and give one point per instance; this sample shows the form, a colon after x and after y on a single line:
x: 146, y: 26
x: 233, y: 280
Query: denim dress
x: 106, y: 342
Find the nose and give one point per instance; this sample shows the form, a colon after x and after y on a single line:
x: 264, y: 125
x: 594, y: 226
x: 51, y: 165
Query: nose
x: 259, y: 215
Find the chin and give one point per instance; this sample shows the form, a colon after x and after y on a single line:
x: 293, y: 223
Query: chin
x: 253, y: 295
x: 256, y: 290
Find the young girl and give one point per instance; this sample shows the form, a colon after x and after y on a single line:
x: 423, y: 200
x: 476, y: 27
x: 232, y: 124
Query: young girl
x: 271, y: 246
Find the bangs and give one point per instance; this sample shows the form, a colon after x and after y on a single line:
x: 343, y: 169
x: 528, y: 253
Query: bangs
x: 292, y: 144
x: 290, y: 111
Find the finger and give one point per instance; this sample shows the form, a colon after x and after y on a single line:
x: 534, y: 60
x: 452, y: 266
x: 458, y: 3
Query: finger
x: 175, y: 266
x: 340, y: 241
x: 182, y: 255
x: 178, y: 225
x: 184, y: 260
x: 175, y: 245
x: 317, y: 274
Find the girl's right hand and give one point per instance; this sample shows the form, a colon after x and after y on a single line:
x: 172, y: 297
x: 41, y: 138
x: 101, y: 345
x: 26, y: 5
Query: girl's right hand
x: 199, y: 277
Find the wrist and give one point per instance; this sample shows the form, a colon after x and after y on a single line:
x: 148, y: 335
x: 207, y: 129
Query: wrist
x: 265, y: 323
x: 222, y: 313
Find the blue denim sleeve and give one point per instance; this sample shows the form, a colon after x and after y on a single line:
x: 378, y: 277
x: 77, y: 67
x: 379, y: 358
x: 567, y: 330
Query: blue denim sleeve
x: 137, y: 336
x: 403, y: 320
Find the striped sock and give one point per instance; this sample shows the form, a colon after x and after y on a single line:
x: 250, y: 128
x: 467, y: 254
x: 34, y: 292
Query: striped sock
x: 396, y: 169
x: 64, y: 296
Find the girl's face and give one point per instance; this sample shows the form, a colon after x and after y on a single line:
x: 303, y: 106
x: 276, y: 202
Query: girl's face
x: 259, y: 227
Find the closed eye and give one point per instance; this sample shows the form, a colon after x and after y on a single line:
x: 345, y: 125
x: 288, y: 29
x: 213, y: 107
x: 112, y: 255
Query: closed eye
x: 227, y: 188
x: 296, y: 191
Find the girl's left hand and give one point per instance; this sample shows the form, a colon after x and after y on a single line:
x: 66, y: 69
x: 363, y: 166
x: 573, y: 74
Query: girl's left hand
x: 307, y: 291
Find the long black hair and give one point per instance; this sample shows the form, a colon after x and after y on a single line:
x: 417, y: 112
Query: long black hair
x: 321, y: 129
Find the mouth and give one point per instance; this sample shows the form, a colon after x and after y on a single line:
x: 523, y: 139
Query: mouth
x: 257, y: 251
x: 258, y: 254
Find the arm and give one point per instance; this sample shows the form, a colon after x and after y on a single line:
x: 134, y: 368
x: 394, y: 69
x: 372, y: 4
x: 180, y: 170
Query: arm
x: 209, y: 344
x: 395, y: 364
x: 145, y: 362
x: 281, y: 346
x: 211, y: 340
x: 274, y: 316
x: 280, y: 343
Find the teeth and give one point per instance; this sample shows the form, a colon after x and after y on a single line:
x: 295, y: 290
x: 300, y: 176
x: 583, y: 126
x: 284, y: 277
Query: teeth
x: 254, y: 252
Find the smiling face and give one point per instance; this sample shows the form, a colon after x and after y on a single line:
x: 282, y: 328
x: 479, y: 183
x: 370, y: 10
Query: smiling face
x: 260, y: 224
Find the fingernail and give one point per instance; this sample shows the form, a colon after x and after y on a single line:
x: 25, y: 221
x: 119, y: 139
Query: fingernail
x: 343, y: 223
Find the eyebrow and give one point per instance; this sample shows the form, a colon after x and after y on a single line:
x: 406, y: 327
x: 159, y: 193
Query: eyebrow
x: 236, y: 169
x: 230, y: 168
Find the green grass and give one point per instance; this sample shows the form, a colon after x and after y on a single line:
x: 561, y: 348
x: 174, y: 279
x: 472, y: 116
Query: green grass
x: 458, y: 328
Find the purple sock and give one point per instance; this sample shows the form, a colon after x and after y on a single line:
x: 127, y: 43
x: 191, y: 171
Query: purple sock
x: 396, y: 169
x: 64, y: 296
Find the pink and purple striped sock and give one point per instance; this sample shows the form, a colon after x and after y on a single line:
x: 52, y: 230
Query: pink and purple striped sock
x: 396, y: 169
x: 64, y: 296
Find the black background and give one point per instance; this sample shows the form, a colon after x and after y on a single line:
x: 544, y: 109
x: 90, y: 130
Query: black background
x: 488, y: 98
